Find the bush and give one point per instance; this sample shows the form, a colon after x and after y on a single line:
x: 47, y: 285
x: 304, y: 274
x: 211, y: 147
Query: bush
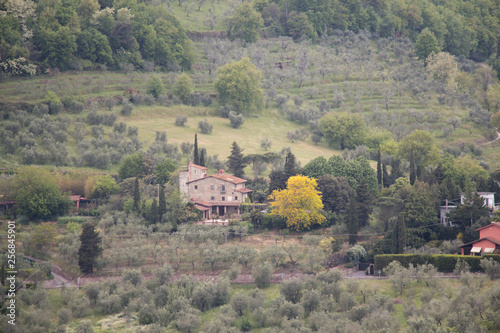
x: 181, y: 120
x: 236, y: 119
x: 262, y: 273
x: 443, y: 262
x: 126, y: 109
x: 491, y: 268
x: 134, y: 276
x: 205, y: 127
x: 291, y: 290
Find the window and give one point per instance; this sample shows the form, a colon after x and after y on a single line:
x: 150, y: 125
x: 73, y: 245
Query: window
x: 196, y: 187
x: 235, y: 198
x: 212, y: 187
x: 223, y: 198
x: 223, y: 189
x: 212, y: 198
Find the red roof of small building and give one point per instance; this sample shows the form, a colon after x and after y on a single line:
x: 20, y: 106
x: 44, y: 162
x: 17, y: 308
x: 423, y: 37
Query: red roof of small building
x: 492, y: 224
x: 493, y: 240
x: 228, y: 178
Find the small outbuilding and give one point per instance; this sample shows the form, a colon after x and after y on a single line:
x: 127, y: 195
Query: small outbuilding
x: 488, y: 242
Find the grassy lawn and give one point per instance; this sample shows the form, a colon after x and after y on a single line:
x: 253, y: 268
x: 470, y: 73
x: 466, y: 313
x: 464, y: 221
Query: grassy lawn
x: 269, y: 124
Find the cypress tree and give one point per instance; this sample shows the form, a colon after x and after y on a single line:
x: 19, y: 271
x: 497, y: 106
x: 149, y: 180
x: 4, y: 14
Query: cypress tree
x: 137, y: 195
x: 153, y: 214
x: 196, y: 156
x: 386, y: 179
x: 162, y: 204
x: 379, y: 169
x: 413, y: 169
x: 203, y: 152
x: 352, y: 219
x: 399, y: 236
x: 90, y: 248
x: 235, y: 161
x: 364, y: 207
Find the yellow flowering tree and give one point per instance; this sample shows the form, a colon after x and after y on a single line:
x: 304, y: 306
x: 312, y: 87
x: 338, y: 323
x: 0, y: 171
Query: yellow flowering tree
x: 300, y: 203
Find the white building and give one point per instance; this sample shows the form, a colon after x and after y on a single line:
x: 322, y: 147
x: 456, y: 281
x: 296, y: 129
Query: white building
x: 489, y: 201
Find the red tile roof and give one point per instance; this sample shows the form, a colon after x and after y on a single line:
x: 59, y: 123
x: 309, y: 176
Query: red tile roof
x: 494, y: 224
x: 228, y: 178
x: 493, y: 240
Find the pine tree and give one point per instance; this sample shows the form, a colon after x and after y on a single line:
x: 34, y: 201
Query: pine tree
x: 90, y: 248
x: 153, y: 214
x: 162, y: 204
x: 203, y: 153
x: 399, y: 235
x: 352, y: 219
x: 379, y: 169
x: 364, y: 200
x: 235, y: 161
x: 413, y: 169
x: 196, y: 156
x: 137, y: 195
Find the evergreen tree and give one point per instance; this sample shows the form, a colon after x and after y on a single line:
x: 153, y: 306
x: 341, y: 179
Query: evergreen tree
x: 203, y: 153
x: 291, y: 168
x: 399, y: 235
x: 386, y: 178
x: 137, y: 195
x: 196, y: 156
x: 396, y: 171
x: 235, y: 161
x: 413, y: 169
x: 153, y: 214
x: 162, y: 204
x: 90, y: 248
x: 277, y: 180
x: 352, y: 219
x: 379, y: 169
x: 364, y: 200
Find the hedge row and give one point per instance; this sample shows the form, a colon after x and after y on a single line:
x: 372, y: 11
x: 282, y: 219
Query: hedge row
x: 65, y: 219
x: 443, y: 262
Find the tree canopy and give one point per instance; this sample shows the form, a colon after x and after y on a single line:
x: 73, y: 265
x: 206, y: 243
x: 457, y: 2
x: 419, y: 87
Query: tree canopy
x: 343, y: 128
x: 238, y: 85
x: 300, y: 203
x: 38, y: 194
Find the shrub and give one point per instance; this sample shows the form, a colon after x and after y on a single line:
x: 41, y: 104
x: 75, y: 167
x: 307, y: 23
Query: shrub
x: 291, y: 290
x: 443, y: 262
x: 225, y: 110
x: 236, y: 120
x: 262, y: 273
x: 491, y: 268
x: 126, y: 110
x: 134, y: 276
x: 76, y: 219
x: 194, y: 98
x: 181, y: 120
x: 205, y: 127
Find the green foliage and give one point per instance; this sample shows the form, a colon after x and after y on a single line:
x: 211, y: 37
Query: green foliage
x: 155, y: 86
x: 131, y: 166
x: 246, y: 23
x: 235, y: 162
x: 183, y: 87
x: 163, y: 170
x: 38, y: 194
x: 90, y: 248
x: 67, y: 219
x: 51, y: 97
x: 426, y: 44
x: 443, y: 262
x: 262, y: 274
x: 238, y: 85
x: 346, y: 129
x: 104, y: 186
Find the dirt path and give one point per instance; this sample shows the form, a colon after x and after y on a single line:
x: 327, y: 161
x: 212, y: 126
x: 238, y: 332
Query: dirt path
x: 495, y: 140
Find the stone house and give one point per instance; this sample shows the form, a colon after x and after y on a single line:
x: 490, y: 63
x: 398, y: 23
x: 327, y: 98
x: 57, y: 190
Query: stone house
x: 217, y: 196
x: 488, y: 242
